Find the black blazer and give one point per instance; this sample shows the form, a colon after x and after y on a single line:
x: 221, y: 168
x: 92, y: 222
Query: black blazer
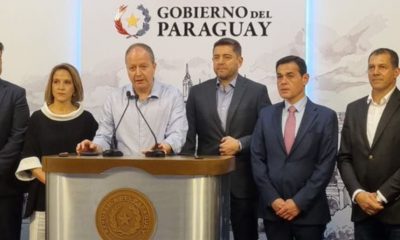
x: 201, y: 109
x: 376, y: 167
x: 14, y: 114
x: 304, y: 173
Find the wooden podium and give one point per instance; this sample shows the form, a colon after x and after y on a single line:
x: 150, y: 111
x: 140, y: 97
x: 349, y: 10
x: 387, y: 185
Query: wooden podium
x: 137, y: 198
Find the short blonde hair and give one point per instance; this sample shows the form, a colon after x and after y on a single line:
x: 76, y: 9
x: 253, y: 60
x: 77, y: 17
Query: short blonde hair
x: 76, y: 80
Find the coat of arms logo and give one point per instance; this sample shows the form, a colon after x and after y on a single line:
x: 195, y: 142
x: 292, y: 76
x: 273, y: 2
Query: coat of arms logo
x: 124, y: 25
x: 126, y: 214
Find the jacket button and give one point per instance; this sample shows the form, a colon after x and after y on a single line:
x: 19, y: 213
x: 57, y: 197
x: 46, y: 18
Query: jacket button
x: 370, y: 157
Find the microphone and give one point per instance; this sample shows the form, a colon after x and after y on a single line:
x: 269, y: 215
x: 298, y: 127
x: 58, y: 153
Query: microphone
x: 156, y: 151
x: 113, y: 151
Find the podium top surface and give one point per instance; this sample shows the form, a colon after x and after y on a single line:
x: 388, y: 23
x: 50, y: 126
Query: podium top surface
x: 169, y: 165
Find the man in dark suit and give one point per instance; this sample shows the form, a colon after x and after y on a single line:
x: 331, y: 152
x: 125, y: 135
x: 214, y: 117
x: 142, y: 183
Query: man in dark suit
x: 294, y: 149
x: 14, y: 114
x: 222, y: 112
x: 369, y: 155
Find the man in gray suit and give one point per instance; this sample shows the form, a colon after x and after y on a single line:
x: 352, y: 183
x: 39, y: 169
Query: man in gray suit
x: 370, y: 150
x: 14, y: 114
x: 222, y: 112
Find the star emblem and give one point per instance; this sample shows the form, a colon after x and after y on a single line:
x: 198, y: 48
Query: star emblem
x: 124, y: 219
x: 133, y: 21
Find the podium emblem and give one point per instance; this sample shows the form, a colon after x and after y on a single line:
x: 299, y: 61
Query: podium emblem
x: 125, y: 214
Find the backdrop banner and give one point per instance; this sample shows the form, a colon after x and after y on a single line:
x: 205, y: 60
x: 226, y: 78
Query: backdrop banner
x: 93, y: 35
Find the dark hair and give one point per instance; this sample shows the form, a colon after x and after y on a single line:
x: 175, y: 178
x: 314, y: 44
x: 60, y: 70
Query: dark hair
x: 76, y: 80
x: 394, y: 58
x: 146, y: 47
x: 295, y: 59
x: 1, y: 47
x: 231, y: 42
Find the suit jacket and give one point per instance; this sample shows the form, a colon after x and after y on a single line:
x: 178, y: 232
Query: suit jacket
x: 375, y: 167
x: 201, y: 109
x: 14, y: 114
x: 304, y: 173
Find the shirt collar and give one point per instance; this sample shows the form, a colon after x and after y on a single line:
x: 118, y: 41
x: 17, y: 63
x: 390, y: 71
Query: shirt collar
x: 61, y: 117
x: 300, y: 105
x: 156, y: 90
x: 232, y: 83
x: 383, y: 101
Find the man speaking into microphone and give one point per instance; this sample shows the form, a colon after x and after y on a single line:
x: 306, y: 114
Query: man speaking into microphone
x: 132, y: 113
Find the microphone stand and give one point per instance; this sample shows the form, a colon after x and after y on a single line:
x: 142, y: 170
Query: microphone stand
x: 113, y: 151
x: 155, y: 151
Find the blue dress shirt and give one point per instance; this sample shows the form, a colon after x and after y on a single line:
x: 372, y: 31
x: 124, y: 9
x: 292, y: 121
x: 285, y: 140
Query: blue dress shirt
x: 164, y: 110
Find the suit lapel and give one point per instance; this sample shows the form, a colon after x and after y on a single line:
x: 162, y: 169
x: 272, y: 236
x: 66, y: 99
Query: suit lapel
x: 211, y: 98
x: 310, y: 114
x: 277, y: 124
x: 2, y: 91
x: 362, y: 115
x: 238, y: 94
x: 391, y: 107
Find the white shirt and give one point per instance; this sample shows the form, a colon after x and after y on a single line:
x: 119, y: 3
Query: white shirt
x: 375, y: 111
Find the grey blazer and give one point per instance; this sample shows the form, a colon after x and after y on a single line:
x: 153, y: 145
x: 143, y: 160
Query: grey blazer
x: 201, y: 109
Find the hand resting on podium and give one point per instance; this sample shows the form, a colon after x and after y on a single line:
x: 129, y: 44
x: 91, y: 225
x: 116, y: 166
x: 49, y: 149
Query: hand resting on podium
x: 88, y: 148
x: 162, y: 148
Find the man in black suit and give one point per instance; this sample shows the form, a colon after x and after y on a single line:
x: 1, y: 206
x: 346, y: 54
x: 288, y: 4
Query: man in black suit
x: 369, y: 155
x: 294, y: 150
x: 14, y: 114
x: 222, y: 112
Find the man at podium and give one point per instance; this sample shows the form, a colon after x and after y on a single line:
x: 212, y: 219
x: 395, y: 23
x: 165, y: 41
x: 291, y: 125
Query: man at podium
x: 144, y: 115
